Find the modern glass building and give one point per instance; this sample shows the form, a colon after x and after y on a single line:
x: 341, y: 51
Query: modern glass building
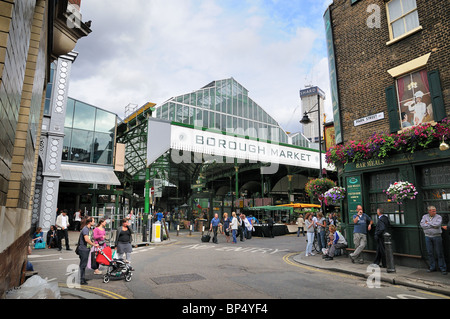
x: 225, y: 105
x: 89, y: 134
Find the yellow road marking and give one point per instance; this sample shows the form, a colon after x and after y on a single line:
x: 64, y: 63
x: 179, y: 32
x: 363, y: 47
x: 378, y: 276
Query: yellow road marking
x: 105, y: 292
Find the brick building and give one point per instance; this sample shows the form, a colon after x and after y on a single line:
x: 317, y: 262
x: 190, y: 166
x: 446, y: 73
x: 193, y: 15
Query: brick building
x: 390, y: 72
x: 33, y: 33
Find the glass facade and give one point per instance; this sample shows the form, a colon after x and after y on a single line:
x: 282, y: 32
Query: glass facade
x: 225, y: 106
x: 89, y: 134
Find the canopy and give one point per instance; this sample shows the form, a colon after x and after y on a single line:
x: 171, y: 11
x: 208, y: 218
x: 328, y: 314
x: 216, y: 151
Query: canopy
x: 300, y: 205
x: 269, y: 208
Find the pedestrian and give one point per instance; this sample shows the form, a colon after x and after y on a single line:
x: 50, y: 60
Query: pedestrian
x: 62, y: 223
x: 132, y: 220
x: 309, y: 224
x: 241, y: 227
x: 270, y: 224
x: 234, y: 225
x: 381, y: 228
x: 300, y: 225
x: 362, y: 223
x: 446, y: 238
x: 431, y: 224
x: 321, y: 228
x: 83, y: 250
x: 226, y: 226
x: 214, y: 226
x: 123, y: 241
x: 77, y: 219
x: 99, y: 237
x: 249, y: 225
x: 52, y: 241
x: 337, y: 241
x: 38, y: 237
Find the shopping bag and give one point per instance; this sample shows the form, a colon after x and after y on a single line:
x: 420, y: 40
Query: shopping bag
x: 39, y: 245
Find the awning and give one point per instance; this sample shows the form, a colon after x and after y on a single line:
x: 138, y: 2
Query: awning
x: 88, y: 174
x: 300, y: 205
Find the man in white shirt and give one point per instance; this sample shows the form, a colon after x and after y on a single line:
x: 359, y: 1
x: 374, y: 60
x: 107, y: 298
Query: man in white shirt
x: 62, y: 222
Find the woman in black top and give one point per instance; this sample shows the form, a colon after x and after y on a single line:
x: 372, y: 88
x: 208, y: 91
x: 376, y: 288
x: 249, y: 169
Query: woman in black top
x: 123, y: 240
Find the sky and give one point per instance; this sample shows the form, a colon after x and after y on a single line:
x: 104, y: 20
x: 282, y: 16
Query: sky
x: 143, y: 51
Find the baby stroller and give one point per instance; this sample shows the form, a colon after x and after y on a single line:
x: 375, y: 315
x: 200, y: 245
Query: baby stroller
x: 117, y: 268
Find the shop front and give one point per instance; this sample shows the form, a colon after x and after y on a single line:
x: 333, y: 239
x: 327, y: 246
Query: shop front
x: 367, y: 181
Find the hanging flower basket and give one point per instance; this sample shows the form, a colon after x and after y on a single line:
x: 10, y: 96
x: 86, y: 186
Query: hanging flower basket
x: 399, y: 191
x: 334, y: 195
x: 315, y: 188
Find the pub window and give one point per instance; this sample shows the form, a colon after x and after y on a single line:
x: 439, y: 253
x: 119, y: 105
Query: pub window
x: 403, y: 17
x: 436, y: 188
x: 414, y: 99
x: 378, y: 183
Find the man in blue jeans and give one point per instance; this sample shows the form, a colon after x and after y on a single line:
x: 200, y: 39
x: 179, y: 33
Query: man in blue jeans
x: 362, y: 223
x: 431, y: 224
x: 214, y: 227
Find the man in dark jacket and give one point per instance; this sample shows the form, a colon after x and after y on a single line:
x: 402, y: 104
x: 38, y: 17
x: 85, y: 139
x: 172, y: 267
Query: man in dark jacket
x: 382, y: 227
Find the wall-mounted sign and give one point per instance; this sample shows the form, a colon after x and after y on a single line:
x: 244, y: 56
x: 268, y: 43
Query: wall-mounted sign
x: 368, y: 119
x: 354, y: 194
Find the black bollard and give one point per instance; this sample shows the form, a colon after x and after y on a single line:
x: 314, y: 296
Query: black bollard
x: 144, y: 233
x: 389, y: 254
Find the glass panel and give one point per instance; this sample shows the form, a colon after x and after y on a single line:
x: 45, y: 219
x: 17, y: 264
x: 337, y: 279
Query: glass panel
x: 412, y: 21
x: 84, y: 116
x: 178, y: 113
x: 66, y: 144
x: 395, y: 10
x: 68, y: 122
x: 409, y: 5
x: 186, y: 114
x: 81, y: 146
x: 103, y: 148
x: 172, y: 111
x: 205, y: 119
x: 105, y: 121
x: 199, y: 117
x: 164, y: 112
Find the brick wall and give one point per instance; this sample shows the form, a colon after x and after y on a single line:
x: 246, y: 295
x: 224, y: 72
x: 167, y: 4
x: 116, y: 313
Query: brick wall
x: 363, y: 58
x: 23, y: 60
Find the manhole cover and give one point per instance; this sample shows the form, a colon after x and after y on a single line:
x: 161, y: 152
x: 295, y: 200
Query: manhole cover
x: 177, y: 279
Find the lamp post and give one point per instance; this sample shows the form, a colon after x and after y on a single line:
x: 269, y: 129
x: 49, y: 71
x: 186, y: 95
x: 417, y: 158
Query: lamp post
x: 306, y: 120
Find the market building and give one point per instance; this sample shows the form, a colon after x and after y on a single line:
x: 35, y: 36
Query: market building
x: 389, y: 67
x: 33, y: 34
x: 213, y: 150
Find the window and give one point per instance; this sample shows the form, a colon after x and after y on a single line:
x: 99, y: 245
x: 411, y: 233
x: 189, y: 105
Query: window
x: 378, y: 182
x: 414, y: 100
x: 403, y: 18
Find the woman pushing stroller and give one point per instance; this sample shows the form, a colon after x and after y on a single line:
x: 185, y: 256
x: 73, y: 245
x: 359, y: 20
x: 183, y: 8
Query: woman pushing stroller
x: 124, y: 237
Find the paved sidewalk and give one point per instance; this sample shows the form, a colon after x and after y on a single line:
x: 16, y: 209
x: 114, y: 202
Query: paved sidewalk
x: 406, y: 276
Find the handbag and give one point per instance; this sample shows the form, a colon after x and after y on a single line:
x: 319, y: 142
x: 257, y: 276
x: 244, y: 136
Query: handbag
x: 40, y: 245
x: 94, y: 264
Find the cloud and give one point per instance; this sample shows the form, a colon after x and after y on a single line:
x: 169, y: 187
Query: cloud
x: 152, y: 50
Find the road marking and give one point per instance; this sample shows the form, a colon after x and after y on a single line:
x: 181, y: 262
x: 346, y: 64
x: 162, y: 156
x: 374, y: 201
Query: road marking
x: 293, y: 263
x: 269, y: 251
x: 105, y: 292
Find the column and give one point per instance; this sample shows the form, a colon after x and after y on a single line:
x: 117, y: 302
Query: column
x: 53, y: 140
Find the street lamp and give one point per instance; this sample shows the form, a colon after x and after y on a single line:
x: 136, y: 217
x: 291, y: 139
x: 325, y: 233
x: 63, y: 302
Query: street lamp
x: 306, y: 120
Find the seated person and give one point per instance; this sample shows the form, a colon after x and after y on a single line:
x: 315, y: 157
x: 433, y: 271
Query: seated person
x: 38, y: 236
x: 52, y: 241
x: 337, y: 241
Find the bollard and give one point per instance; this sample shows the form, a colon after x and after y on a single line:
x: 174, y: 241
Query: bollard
x: 144, y: 233
x: 178, y: 230
x: 389, y: 254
